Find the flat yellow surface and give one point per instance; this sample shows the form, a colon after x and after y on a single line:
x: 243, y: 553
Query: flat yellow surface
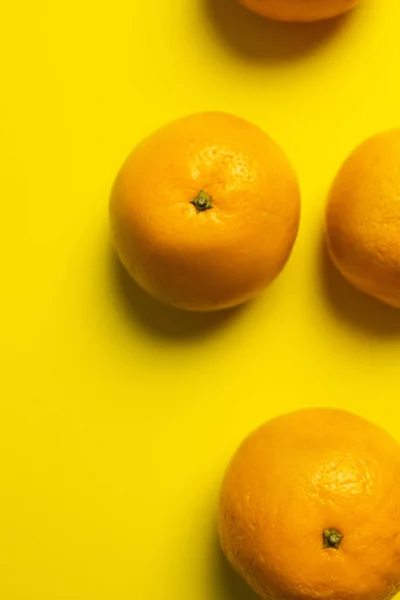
x: 118, y: 415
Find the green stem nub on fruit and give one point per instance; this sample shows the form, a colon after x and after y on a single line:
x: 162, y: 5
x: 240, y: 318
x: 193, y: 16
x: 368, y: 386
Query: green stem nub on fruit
x: 331, y: 538
x: 203, y: 201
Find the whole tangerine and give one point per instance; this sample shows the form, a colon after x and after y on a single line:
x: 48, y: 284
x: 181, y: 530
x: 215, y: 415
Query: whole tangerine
x: 205, y: 211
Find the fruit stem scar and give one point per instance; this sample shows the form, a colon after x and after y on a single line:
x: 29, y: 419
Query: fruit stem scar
x: 331, y: 538
x: 203, y: 201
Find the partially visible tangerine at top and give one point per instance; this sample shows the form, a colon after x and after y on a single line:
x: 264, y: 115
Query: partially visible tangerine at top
x: 299, y: 10
x: 205, y: 212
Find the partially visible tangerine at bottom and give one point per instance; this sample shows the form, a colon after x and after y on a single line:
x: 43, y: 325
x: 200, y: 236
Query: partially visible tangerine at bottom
x: 310, y: 508
x: 205, y: 212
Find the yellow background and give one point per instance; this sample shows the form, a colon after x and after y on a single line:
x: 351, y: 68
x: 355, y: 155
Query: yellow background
x: 118, y: 415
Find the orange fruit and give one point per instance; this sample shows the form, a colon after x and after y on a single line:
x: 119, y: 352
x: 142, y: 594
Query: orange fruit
x: 363, y: 218
x: 299, y: 10
x: 310, y: 508
x: 205, y: 211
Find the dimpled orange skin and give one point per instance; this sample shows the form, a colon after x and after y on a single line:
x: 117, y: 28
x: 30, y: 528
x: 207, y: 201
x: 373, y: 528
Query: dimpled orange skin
x: 299, y: 10
x: 363, y: 218
x: 220, y: 257
x: 297, y: 476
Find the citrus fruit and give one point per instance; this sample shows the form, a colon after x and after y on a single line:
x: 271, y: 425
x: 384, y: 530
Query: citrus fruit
x: 310, y: 508
x: 363, y: 218
x: 299, y: 10
x: 205, y: 211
